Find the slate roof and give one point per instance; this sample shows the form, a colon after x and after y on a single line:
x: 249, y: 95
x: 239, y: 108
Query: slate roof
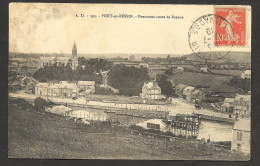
x: 41, y: 84
x: 54, y: 86
x: 86, y: 83
x: 152, y: 85
x: 65, y: 84
x: 196, y: 91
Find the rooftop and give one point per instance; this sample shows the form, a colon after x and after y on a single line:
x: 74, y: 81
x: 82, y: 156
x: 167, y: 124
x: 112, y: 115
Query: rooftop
x: 61, y: 109
x: 55, y: 58
x: 90, y: 83
x: 196, y: 91
x: 226, y: 105
x: 55, y: 85
x: 189, y: 88
x: 65, y: 84
x: 243, y: 124
x: 42, y: 84
x: 181, y: 86
x: 153, y: 121
x: 229, y: 100
x: 152, y: 85
x: 243, y: 97
x: 247, y: 72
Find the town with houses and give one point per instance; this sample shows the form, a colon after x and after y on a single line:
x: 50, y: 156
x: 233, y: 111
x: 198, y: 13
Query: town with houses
x: 208, y: 102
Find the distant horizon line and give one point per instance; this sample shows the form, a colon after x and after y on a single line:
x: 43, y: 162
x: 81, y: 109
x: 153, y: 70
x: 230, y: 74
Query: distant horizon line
x: 118, y: 53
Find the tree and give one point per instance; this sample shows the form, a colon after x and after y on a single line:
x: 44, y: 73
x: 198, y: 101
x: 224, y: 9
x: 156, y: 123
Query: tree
x: 169, y: 60
x: 165, y: 85
x: 128, y: 80
x: 40, y: 104
x: 169, y: 72
x: 132, y: 58
x: 244, y: 84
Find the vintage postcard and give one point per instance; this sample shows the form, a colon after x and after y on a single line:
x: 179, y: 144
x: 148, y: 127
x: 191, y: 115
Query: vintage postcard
x: 129, y: 81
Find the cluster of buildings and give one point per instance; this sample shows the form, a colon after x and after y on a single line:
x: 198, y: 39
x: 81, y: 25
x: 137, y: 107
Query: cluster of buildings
x: 240, y: 105
x: 61, y: 61
x: 65, y: 89
x: 229, y: 65
x: 77, y: 114
x: 193, y: 95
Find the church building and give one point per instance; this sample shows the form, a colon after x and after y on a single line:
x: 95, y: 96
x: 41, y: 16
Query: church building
x: 73, y: 60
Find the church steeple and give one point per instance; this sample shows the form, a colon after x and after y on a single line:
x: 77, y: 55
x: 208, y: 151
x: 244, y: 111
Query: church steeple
x: 74, y: 50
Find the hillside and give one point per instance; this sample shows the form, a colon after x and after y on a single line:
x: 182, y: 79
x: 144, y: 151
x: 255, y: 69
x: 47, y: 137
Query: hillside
x: 32, y: 134
x: 218, y: 83
x: 233, y: 56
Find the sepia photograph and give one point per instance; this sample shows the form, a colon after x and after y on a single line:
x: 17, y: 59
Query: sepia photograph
x: 129, y: 81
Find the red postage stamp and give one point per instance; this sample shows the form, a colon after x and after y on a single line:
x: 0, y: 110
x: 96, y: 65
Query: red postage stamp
x: 232, y: 31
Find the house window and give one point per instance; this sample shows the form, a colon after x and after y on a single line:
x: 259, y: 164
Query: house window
x: 239, y: 147
x: 239, y: 136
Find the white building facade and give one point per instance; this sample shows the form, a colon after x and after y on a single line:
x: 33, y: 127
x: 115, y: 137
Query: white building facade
x: 241, y: 136
x: 246, y: 74
x: 151, y: 90
x: 62, y: 89
x: 242, y: 105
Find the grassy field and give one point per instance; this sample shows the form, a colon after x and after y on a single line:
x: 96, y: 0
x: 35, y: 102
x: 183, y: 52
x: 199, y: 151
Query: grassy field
x: 32, y: 134
x: 218, y: 83
x: 153, y: 73
x: 228, y: 72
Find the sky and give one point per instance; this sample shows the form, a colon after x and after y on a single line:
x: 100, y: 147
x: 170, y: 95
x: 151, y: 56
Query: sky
x: 53, y: 28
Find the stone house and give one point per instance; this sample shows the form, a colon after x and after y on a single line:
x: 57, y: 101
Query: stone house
x: 62, y: 89
x: 179, y: 90
x: 68, y: 89
x: 151, y: 90
x: 228, y: 105
x: 241, y: 136
x: 179, y: 69
x: 53, y: 89
x: 204, y: 70
x: 41, y: 89
x: 242, y: 105
x: 196, y: 96
x: 187, y: 93
x: 145, y: 65
x: 87, y: 87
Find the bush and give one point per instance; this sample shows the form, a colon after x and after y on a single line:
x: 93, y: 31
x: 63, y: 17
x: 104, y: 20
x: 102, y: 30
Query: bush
x: 129, y: 80
x: 23, y: 104
x: 179, y: 136
x: 40, y: 104
x: 168, y: 133
x: 169, y: 72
